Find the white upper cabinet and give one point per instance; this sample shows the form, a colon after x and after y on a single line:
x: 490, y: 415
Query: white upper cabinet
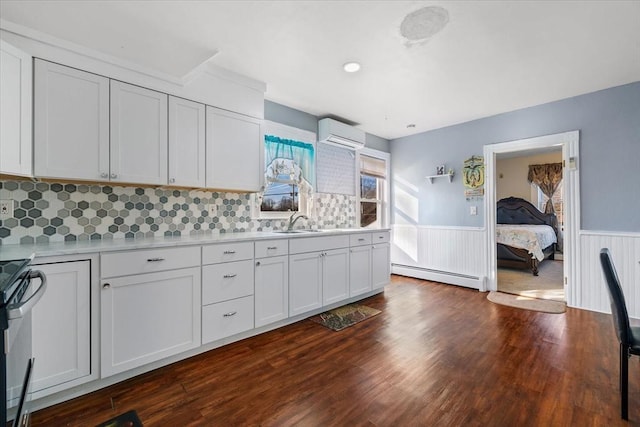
x: 234, y: 151
x: 71, y: 123
x: 186, y: 143
x: 138, y: 134
x: 15, y: 111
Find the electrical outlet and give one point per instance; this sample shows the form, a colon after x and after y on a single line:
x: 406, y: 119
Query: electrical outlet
x: 6, y: 209
x: 473, y: 210
x: 213, y: 209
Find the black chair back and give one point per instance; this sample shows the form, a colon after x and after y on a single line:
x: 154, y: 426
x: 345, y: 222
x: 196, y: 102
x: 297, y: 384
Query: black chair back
x: 616, y: 297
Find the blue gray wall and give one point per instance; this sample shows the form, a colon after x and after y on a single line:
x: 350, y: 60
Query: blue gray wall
x: 609, y: 125
x: 299, y: 119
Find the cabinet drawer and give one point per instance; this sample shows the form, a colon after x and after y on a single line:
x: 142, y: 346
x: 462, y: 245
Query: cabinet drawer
x: 148, y: 261
x: 312, y: 244
x: 380, y: 237
x: 221, y: 282
x: 360, y: 239
x: 267, y: 248
x: 226, y: 318
x: 225, y: 252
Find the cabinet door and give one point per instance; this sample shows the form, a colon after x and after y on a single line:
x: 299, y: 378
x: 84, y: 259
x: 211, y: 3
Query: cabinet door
x: 335, y: 275
x: 61, y: 338
x: 380, y: 265
x: 148, y: 317
x: 271, y: 290
x: 186, y: 143
x: 360, y: 270
x: 15, y: 110
x: 234, y: 151
x: 305, y: 282
x: 71, y: 123
x: 138, y: 135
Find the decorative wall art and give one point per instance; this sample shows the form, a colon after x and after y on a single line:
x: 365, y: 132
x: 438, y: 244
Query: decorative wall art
x: 473, y: 177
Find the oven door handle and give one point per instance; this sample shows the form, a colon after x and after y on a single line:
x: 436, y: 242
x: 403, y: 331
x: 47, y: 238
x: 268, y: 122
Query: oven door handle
x: 16, y: 311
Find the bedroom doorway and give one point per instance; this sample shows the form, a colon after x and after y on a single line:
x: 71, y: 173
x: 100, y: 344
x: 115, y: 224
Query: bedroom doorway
x: 520, y: 200
x: 567, y: 144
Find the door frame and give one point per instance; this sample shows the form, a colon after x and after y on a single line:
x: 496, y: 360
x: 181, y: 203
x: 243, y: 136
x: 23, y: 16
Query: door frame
x: 569, y: 142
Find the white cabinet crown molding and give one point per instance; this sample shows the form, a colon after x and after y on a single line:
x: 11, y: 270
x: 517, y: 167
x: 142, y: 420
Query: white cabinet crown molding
x: 206, y: 83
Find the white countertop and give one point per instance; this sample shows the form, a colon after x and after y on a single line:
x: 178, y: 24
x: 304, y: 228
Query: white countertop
x: 8, y: 252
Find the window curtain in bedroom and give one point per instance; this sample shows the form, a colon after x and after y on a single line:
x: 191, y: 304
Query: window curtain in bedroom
x: 547, y: 177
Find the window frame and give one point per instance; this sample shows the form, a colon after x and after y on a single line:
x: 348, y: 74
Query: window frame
x: 383, y: 202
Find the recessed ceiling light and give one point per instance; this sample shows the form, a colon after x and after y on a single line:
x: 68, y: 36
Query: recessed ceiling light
x: 351, y: 67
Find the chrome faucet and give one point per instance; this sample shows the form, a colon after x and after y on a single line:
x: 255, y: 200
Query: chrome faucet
x: 292, y: 221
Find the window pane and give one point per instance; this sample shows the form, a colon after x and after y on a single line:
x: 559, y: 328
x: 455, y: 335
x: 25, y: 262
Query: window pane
x: 280, y: 197
x: 368, y: 187
x: 368, y: 213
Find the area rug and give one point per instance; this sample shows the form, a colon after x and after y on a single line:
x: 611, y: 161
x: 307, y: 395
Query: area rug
x: 128, y: 419
x: 547, y: 285
x: 518, y: 301
x: 345, y: 316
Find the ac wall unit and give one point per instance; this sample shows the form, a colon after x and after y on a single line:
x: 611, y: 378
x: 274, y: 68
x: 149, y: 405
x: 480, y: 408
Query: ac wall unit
x: 333, y: 132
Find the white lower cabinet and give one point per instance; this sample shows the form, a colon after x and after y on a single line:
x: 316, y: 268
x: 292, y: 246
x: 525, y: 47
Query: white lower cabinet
x: 61, y: 333
x: 271, y: 290
x: 148, y: 317
x: 305, y: 279
x: 226, y: 318
x: 380, y: 265
x: 317, y: 279
x: 227, y: 290
x: 359, y: 270
x: 335, y: 275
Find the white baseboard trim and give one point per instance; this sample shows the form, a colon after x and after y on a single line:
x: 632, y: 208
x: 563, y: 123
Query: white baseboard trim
x: 440, y: 276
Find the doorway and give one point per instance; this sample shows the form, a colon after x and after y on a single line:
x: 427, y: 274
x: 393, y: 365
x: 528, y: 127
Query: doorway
x: 515, y: 190
x: 568, y: 143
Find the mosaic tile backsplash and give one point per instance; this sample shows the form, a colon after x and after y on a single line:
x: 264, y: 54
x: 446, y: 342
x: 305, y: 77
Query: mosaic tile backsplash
x: 55, y: 212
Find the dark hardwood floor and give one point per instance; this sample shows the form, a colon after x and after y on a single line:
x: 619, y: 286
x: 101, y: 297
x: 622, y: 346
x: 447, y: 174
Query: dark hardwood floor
x: 437, y: 355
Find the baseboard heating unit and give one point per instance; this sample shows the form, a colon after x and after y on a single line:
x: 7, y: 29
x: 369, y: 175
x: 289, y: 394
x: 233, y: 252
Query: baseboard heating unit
x: 473, y: 282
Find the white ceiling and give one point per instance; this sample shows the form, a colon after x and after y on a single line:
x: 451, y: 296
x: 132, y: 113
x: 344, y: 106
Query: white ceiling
x: 491, y: 57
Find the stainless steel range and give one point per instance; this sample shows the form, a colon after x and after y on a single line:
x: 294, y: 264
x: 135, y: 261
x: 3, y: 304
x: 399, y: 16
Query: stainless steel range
x: 18, y: 295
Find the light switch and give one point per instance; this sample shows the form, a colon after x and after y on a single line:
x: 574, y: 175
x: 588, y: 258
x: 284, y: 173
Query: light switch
x: 473, y: 210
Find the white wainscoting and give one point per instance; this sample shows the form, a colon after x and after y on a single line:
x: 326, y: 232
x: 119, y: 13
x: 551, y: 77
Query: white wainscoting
x: 452, y: 255
x: 625, y: 250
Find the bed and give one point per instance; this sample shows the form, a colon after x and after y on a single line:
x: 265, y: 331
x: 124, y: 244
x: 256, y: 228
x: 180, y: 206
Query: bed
x: 525, y: 236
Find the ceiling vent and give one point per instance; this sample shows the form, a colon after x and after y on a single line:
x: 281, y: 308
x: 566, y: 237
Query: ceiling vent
x: 333, y: 132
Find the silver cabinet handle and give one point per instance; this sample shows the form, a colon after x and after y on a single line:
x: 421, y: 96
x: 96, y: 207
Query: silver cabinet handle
x: 229, y: 252
x: 257, y: 263
x: 380, y: 237
x: 172, y: 180
x: 104, y: 175
x: 270, y: 248
x: 361, y: 240
x: 229, y: 276
x: 16, y: 311
x: 155, y: 259
x: 229, y: 314
x: 106, y: 286
x: 114, y: 175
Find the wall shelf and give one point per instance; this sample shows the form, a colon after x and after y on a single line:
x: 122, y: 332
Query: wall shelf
x: 447, y: 175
